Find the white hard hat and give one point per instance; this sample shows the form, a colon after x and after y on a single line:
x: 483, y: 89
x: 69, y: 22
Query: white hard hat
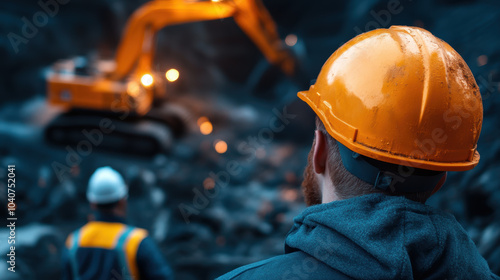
x: 106, y: 185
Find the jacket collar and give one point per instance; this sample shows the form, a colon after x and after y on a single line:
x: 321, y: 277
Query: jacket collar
x: 108, y: 217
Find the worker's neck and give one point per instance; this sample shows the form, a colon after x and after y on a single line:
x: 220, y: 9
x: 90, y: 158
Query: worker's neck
x: 116, y: 212
x: 327, y: 188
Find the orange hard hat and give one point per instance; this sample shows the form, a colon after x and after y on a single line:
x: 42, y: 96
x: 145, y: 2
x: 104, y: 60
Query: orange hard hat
x: 402, y: 96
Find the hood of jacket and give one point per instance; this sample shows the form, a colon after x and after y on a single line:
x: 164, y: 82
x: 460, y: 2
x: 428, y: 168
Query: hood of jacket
x: 377, y: 236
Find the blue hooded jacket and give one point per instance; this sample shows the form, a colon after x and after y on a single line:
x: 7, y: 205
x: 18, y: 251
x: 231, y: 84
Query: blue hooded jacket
x: 373, y: 237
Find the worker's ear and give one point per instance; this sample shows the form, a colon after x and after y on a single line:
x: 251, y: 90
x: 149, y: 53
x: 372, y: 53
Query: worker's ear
x: 320, y: 154
x: 93, y: 206
x: 440, y: 184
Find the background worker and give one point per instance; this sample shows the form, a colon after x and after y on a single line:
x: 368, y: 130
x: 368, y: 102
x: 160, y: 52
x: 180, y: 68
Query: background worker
x: 108, y: 248
x: 396, y: 108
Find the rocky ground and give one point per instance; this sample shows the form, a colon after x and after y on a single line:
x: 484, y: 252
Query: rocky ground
x: 211, y: 212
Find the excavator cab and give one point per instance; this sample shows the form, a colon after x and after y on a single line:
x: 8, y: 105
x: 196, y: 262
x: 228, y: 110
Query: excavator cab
x: 125, y: 89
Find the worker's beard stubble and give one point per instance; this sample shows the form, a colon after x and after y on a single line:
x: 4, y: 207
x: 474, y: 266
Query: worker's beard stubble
x: 310, y: 185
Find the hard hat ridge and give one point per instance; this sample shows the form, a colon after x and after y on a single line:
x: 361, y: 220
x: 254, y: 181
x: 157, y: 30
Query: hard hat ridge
x: 106, y: 185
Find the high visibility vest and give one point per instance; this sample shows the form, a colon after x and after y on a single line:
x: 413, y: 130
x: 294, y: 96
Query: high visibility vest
x: 122, y: 239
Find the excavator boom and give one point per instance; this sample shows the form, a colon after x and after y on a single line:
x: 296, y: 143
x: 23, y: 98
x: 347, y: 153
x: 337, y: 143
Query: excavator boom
x: 130, y: 83
x: 250, y: 15
x: 129, y: 87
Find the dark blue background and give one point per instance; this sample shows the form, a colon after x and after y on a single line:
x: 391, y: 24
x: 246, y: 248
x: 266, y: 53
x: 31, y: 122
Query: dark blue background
x: 224, y: 77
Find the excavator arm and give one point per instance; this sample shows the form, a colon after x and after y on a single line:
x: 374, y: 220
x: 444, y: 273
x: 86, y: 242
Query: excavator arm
x: 137, y: 46
x: 129, y: 83
x: 125, y: 89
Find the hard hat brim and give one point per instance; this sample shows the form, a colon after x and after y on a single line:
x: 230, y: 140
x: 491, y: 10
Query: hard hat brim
x: 346, y: 134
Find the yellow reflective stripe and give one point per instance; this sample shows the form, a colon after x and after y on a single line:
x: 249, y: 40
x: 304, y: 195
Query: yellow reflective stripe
x: 131, y: 246
x: 100, y: 235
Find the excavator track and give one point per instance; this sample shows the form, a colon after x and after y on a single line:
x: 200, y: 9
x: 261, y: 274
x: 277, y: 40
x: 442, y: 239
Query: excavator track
x: 111, y: 133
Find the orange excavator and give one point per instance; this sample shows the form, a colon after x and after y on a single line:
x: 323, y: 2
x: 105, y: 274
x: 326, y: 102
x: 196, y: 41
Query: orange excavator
x: 126, y: 89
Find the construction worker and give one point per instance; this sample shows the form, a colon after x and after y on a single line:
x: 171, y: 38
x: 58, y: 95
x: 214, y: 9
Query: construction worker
x: 396, y: 108
x: 108, y: 248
